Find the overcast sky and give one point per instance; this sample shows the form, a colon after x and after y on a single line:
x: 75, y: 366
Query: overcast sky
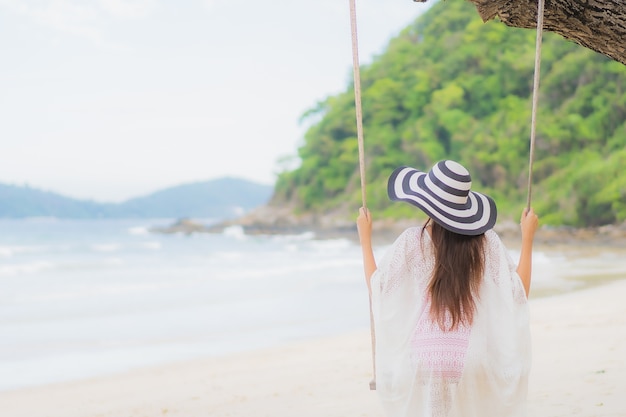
x: 112, y: 99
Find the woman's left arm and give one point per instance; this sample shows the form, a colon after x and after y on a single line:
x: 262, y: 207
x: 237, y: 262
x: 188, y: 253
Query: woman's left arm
x: 529, y: 223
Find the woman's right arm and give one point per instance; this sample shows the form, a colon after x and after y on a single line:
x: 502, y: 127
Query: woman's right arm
x: 364, y: 227
x: 529, y: 223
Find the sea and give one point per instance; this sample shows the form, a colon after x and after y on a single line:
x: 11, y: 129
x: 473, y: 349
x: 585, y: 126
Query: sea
x: 86, y: 298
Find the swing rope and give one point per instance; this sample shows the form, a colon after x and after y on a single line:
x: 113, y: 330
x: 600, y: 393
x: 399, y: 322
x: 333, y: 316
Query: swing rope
x: 357, y: 97
x: 533, y: 123
x: 359, y: 125
x: 359, y: 131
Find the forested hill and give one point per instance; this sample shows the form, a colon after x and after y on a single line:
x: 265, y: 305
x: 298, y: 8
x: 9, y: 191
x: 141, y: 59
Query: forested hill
x: 451, y: 86
x: 218, y: 198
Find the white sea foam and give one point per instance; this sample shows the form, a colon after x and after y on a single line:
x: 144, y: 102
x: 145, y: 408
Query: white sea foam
x: 300, y: 237
x: 113, y: 261
x: 6, y: 251
x: 235, y: 232
x: 330, y: 244
x: 228, y: 255
x: 25, y: 268
x: 153, y: 244
x: 106, y: 247
x: 297, y: 269
x: 292, y: 247
x: 82, y: 293
x: 138, y: 231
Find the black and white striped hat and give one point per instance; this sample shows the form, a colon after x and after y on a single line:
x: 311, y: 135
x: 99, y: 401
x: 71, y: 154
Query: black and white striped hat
x: 443, y: 193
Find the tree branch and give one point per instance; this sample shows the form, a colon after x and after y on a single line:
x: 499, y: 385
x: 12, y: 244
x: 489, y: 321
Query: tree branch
x: 599, y: 25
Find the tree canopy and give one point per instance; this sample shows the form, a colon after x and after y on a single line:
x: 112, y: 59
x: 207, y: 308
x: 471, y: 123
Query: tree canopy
x: 451, y: 86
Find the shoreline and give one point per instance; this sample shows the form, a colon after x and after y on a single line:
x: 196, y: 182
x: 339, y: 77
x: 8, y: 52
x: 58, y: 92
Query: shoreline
x: 280, y: 221
x: 578, y: 369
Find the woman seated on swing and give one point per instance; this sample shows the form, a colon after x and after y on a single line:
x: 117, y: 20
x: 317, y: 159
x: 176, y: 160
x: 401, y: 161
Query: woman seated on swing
x: 450, y: 306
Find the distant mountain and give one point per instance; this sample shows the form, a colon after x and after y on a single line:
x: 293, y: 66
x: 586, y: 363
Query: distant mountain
x: 16, y: 201
x: 224, y: 197
x: 219, y: 198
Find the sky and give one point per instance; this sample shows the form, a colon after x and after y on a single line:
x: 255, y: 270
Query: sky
x: 113, y: 99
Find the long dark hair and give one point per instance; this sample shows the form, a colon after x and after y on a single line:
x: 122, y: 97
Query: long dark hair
x: 458, y: 271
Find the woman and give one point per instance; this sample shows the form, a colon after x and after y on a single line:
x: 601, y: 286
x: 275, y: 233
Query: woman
x: 449, y: 305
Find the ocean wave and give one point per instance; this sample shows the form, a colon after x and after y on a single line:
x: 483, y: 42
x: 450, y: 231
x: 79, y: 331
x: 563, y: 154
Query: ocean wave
x: 10, y: 251
x: 331, y: 244
x: 138, y: 231
x: 106, y: 247
x: 94, y: 291
x: 27, y: 268
x: 300, y: 237
x: 113, y: 261
x: 6, y: 251
x: 300, y: 269
x: 151, y: 244
x: 228, y: 255
x: 235, y: 232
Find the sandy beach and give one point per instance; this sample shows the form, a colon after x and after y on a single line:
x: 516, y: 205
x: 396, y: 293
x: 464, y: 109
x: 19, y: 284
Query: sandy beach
x: 579, y: 369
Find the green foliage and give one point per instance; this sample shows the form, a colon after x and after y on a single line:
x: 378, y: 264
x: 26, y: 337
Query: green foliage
x: 451, y: 86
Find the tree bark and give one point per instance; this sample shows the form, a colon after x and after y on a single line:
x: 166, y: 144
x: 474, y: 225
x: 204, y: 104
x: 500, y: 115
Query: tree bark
x: 599, y: 25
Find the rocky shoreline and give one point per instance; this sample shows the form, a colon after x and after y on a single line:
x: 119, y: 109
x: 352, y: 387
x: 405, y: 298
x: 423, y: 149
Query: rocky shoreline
x: 282, y: 221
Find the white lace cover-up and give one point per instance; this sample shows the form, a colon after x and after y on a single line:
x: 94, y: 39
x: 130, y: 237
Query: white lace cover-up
x: 474, y: 371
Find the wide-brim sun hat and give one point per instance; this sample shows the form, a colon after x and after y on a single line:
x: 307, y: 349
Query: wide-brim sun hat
x: 444, y: 194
